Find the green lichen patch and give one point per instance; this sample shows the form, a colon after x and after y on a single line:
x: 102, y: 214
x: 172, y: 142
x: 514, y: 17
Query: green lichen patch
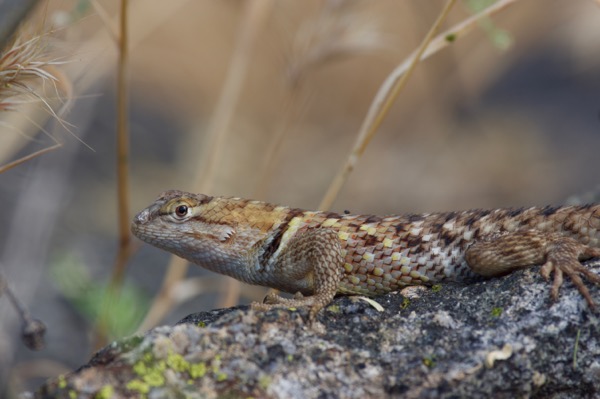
x: 138, y: 386
x: 264, y: 381
x: 220, y: 376
x: 106, y: 392
x: 154, y: 378
x: 62, y: 382
x: 333, y: 309
x: 405, y: 303
x: 177, y: 362
x: 429, y: 361
x: 197, y: 370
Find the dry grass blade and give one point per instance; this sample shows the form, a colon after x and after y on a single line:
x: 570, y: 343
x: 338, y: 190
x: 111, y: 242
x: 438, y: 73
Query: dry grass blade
x: 217, y: 134
x: 25, y: 72
x: 125, y: 247
x: 338, y: 32
x: 26, y: 158
x: 106, y: 20
x: 381, y: 104
x: 122, y: 152
x: 24, y: 66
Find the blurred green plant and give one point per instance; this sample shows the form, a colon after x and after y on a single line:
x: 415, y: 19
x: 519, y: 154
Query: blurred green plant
x: 89, y: 296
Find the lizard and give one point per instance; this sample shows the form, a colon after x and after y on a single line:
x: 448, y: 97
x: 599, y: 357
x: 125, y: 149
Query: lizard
x: 317, y: 255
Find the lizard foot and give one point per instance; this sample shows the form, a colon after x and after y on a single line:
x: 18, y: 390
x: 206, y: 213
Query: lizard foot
x: 563, y: 258
x: 313, y: 303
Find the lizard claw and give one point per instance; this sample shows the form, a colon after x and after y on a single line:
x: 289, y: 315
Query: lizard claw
x: 271, y: 298
x: 546, y: 270
x: 313, y: 303
x: 563, y: 259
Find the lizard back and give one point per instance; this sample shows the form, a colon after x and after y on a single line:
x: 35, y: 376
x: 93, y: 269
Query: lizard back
x: 383, y: 254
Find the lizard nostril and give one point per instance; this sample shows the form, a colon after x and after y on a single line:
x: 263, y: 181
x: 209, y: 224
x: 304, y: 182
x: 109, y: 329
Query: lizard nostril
x: 147, y: 215
x: 142, y: 217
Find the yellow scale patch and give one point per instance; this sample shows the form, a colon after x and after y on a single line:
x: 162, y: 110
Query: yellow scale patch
x: 369, y: 229
x: 343, y: 235
x: 330, y: 223
x: 415, y: 274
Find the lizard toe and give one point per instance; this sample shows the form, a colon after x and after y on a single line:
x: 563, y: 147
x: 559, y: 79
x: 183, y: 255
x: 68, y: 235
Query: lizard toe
x: 563, y: 259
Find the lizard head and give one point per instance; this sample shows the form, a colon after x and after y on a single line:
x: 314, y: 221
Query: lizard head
x: 188, y: 225
x: 217, y: 233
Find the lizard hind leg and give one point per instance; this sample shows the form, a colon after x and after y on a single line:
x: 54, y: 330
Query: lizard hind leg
x: 558, y: 254
x: 315, y: 257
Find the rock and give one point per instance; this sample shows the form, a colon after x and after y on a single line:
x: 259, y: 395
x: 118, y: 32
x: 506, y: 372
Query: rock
x: 498, y: 338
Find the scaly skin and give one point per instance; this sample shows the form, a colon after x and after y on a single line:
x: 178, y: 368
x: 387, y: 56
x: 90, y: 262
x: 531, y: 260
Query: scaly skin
x: 321, y: 254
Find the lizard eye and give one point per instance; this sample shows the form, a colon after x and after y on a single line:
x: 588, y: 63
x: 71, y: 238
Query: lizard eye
x: 181, y: 211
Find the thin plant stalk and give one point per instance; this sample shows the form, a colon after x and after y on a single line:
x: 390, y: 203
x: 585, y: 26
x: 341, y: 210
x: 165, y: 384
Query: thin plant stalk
x: 269, y: 167
x: 29, y: 157
x: 336, y: 33
x: 106, y: 20
x: 218, y: 129
x: 124, y: 250
x: 364, y: 137
x: 122, y: 152
x: 380, y: 106
x: 217, y: 135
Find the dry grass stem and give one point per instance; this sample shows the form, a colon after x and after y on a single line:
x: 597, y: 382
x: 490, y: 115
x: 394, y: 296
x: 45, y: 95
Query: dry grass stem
x: 106, y: 20
x: 217, y: 135
x: 125, y: 248
x: 385, y: 96
x: 338, y: 32
x: 122, y: 150
x: 29, y: 157
x: 217, y: 131
x: 290, y: 110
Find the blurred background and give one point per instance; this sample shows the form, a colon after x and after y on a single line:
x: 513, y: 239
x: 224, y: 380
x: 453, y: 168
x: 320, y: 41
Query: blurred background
x: 508, y: 115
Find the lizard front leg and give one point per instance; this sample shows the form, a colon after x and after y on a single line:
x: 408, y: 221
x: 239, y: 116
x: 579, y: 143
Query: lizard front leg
x: 558, y: 254
x: 312, y: 258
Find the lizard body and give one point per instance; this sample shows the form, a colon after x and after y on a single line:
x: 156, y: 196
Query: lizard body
x: 321, y: 254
